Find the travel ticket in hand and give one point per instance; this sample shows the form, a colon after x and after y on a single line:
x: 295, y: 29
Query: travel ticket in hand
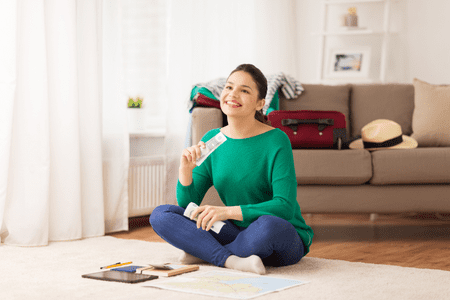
x: 211, y: 145
x: 216, y: 227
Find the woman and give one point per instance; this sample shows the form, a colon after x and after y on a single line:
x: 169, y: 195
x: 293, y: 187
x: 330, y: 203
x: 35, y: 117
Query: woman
x: 253, y: 172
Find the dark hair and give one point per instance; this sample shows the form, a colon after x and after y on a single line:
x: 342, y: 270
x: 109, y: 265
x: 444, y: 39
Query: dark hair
x: 261, y: 83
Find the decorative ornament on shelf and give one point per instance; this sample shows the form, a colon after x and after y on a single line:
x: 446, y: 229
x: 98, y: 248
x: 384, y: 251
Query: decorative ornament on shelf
x: 135, y: 104
x: 351, y: 19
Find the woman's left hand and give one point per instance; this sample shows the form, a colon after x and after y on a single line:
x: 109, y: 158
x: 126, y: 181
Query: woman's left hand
x: 208, y: 215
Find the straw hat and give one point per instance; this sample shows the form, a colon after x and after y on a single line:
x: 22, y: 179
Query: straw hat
x: 383, y: 134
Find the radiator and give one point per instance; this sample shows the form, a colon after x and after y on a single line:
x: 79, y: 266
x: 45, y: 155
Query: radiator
x: 146, y: 185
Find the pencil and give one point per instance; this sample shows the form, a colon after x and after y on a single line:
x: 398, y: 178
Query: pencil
x: 116, y: 265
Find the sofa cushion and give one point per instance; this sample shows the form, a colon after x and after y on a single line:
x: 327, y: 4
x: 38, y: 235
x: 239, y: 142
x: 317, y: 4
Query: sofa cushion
x: 411, y: 166
x: 321, y: 97
x: 369, y: 102
x: 431, y: 122
x: 343, y: 167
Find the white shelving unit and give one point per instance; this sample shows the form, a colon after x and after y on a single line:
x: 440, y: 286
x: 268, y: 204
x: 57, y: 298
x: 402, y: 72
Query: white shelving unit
x: 379, y: 15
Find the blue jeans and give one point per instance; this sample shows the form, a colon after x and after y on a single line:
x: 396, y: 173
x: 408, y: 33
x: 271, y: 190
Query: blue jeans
x: 273, y: 239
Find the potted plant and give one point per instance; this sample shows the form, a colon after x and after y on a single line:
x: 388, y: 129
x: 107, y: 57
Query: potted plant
x: 136, y: 117
x: 134, y: 104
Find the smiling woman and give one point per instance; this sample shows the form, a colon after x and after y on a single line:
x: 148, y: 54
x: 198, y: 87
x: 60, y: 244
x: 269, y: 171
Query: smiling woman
x: 253, y: 171
x: 242, y: 100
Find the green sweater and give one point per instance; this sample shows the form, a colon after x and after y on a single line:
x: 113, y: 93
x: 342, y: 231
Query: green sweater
x: 256, y: 173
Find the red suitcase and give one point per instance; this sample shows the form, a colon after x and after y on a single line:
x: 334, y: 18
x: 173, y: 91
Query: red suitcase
x: 311, y: 129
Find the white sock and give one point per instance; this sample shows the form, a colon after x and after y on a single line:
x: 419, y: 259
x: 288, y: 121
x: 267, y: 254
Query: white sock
x: 187, y: 259
x: 252, y: 264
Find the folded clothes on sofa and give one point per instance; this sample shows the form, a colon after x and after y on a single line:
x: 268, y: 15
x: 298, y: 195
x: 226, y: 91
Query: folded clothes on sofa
x: 290, y: 88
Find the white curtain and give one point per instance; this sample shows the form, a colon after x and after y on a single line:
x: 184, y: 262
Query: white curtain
x: 51, y: 88
x: 207, y: 40
x: 116, y: 142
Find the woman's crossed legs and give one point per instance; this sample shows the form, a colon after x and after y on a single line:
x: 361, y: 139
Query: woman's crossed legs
x: 273, y: 240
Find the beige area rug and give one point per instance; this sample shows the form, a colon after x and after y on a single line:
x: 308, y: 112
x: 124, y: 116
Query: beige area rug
x: 54, y: 272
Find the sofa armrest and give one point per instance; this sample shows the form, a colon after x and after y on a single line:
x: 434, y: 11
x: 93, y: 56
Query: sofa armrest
x: 203, y: 120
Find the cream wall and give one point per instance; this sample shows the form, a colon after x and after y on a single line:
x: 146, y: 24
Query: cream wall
x: 420, y: 49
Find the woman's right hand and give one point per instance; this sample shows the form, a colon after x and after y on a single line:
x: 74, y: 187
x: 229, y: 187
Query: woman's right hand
x: 190, y: 156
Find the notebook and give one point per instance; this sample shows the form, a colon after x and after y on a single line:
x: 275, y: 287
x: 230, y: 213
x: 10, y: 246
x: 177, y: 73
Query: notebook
x: 130, y: 269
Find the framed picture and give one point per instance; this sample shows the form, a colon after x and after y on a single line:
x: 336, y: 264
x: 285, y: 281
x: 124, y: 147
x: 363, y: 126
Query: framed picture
x: 348, y: 63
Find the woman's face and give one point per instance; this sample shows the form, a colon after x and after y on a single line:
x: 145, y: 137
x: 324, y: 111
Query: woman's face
x: 239, y: 98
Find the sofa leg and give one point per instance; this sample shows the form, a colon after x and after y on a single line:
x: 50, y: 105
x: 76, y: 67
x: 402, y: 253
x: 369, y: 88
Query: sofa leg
x: 373, y: 217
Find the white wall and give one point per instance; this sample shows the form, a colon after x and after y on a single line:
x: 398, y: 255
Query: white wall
x: 308, y: 21
x: 420, y: 49
x: 428, y: 40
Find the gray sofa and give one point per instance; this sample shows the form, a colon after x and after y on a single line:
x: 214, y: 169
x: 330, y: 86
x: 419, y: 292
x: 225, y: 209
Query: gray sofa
x: 350, y: 180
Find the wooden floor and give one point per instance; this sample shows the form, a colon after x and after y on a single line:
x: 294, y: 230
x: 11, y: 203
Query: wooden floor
x: 407, y: 240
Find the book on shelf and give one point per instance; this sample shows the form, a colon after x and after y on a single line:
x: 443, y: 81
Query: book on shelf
x: 167, y: 270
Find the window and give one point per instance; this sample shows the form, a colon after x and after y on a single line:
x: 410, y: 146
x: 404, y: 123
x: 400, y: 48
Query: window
x: 144, y: 60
